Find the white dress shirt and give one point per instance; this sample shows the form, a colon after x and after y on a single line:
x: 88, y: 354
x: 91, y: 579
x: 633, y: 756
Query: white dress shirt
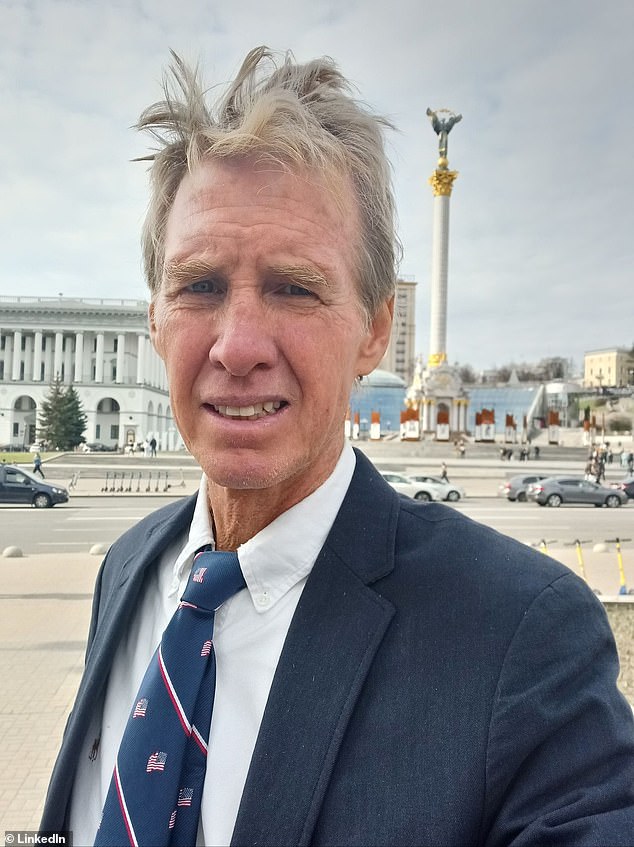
x: 249, y: 634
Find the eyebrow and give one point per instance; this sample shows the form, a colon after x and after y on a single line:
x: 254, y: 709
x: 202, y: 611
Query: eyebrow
x: 176, y: 272
x: 301, y: 274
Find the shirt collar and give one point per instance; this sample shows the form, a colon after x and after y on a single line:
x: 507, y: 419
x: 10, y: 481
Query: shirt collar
x: 284, y: 552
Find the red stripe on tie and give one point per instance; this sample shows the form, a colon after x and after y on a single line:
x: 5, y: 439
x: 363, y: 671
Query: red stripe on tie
x: 187, y: 727
x: 124, y: 809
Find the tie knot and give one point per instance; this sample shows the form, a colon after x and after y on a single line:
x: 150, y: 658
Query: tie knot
x: 215, y: 577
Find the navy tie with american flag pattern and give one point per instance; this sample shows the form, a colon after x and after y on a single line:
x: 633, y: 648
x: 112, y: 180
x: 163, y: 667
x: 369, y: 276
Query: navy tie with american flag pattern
x: 156, y: 788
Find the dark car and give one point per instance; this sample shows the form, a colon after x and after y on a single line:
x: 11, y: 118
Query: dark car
x: 514, y: 489
x: 567, y: 489
x: 20, y: 486
x: 626, y: 485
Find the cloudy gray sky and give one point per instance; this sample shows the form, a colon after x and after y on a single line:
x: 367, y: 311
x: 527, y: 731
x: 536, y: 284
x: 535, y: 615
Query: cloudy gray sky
x: 541, y: 218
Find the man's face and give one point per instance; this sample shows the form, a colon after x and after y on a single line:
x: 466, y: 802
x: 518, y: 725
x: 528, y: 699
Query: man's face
x: 259, y: 323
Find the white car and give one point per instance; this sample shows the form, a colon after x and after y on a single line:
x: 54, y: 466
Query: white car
x: 446, y: 490
x: 404, y: 485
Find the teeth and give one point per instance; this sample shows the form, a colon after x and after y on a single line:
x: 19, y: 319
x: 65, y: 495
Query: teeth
x: 254, y: 412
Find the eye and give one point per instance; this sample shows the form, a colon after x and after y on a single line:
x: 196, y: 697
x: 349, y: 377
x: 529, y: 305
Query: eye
x: 294, y: 290
x: 205, y: 286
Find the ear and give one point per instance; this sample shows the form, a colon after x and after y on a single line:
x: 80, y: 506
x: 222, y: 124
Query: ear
x: 376, y: 339
x: 154, y: 333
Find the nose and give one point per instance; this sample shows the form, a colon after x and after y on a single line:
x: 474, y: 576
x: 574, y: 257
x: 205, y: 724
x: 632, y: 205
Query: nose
x: 244, y: 336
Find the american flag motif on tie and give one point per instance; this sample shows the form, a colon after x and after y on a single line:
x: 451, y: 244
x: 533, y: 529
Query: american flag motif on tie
x: 140, y: 709
x: 156, y: 762
x: 185, y: 796
x: 161, y: 764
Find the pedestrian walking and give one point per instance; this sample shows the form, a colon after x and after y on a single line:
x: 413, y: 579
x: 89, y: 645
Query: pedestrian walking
x: 37, y: 465
x: 443, y: 473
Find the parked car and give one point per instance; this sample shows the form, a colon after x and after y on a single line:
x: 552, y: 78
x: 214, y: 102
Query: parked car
x: 556, y: 490
x: 514, y: 489
x: 626, y: 485
x: 404, y: 485
x: 96, y: 447
x: 20, y: 486
x: 446, y: 490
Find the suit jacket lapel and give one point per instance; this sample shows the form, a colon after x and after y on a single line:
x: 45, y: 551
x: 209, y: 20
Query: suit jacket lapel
x: 115, y: 602
x: 337, y: 628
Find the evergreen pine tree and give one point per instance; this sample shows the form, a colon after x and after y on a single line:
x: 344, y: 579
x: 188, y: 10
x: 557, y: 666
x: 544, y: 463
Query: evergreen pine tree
x: 62, y: 421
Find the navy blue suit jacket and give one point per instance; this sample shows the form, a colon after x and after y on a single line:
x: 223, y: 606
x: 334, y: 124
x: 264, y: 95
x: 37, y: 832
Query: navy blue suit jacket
x: 440, y: 684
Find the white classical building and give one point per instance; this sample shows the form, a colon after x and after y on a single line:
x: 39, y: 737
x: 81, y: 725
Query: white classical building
x: 99, y: 346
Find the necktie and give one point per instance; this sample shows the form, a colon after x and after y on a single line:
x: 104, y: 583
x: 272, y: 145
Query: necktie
x: 156, y: 788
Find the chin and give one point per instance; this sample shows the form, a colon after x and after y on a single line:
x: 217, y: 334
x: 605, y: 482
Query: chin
x: 243, y: 474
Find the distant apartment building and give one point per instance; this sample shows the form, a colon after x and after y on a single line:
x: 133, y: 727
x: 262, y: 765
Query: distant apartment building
x: 613, y: 367
x: 99, y: 346
x: 400, y: 356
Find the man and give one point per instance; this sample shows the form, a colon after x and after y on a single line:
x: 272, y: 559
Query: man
x: 393, y: 673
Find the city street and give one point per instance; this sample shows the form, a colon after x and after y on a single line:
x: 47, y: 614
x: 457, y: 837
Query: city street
x: 85, y: 521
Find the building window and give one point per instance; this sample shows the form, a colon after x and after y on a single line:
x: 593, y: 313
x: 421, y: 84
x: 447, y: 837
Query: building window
x: 16, y: 430
x: 98, y: 431
x: 114, y: 431
x: 23, y: 343
x: 22, y: 371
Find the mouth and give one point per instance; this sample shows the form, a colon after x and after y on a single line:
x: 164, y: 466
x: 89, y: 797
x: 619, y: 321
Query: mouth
x: 254, y: 412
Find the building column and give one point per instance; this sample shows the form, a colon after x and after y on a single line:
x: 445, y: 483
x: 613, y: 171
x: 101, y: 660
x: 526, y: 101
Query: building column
x: 140, y: 359
x: 47, y: 357
x: 463, y: 416
x: 37, y: 356
x: 28, y: 355
x: 79, y: 357
x: 99, y: 358
x: 57, y: 355
x: 17, y: 354
x: 453, y: 415
x: 68, y: 360
x: 7, y: 355
x: 120, y: 358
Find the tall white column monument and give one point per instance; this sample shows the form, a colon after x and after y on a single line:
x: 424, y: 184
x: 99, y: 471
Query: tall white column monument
x: 437, y: 390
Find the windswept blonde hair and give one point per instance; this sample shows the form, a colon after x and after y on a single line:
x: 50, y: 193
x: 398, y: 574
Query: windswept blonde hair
x: 299, y: 115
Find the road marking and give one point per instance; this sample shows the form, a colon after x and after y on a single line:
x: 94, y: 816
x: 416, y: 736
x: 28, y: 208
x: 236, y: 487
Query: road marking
x: 92, y: 519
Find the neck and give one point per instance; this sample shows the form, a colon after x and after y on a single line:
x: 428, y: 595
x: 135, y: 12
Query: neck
x: 238, y: 514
